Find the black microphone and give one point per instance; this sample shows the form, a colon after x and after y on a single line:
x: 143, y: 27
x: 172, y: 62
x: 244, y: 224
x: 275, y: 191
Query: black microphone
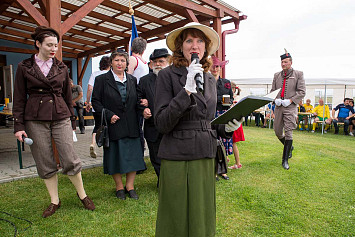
x: 198, y: 77
x: 27, y: 141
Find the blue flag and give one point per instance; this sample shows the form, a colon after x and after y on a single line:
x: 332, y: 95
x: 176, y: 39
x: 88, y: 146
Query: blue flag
x: 133, y: 35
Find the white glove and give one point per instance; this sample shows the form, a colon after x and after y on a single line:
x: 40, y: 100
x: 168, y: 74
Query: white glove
x: 286, y: 102
x: 278, y: 102
x: 233, y: 125
x: 192, y: 70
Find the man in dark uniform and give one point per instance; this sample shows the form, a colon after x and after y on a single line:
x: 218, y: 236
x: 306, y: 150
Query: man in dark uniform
x: 146, y: 93
x: 293, y: 90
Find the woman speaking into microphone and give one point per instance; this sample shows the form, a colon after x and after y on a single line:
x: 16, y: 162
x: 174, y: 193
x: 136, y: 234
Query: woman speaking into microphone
x: 42, y: 110
x: 183, y: 114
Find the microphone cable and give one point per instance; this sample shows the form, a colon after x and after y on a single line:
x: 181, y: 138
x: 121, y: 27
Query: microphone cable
x: 13, y: 224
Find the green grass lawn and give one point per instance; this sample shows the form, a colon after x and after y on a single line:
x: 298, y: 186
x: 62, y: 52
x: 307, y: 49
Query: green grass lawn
x: 316, y: 197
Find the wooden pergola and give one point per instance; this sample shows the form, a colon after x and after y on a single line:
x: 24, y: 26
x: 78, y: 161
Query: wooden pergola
x: 94, y: 27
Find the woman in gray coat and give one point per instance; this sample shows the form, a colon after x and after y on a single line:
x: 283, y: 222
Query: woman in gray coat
x: 188, y: 147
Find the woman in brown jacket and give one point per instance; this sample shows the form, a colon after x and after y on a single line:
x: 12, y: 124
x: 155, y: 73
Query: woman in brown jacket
x: 42, y: 110
x: 182, y: 114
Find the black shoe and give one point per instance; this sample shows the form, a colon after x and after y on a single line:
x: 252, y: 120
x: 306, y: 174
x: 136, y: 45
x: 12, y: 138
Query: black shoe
x: 336, y: 132
x: 225, y: 177
x: 217, y: 179
x: 132, y: 194
x: 82, y: 130
x: 120, y: 194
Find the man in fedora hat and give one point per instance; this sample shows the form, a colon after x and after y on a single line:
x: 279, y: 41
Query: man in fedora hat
x: 146, y: 93
x: 292, y: 91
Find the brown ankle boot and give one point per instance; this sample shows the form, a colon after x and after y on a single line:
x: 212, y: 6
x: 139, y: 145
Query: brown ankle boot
x: 51, y: 209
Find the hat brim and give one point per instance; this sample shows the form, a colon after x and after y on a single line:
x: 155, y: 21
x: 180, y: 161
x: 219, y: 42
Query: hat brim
x: 223, y: 63
x: 160, y: 56
x: 208, y: 31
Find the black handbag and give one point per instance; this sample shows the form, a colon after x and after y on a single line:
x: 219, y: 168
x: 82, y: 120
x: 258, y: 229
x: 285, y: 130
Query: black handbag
x: 102, y: 138
x: 221, y: 165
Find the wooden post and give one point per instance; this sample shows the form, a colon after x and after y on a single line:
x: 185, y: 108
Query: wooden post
x: 53, y: 16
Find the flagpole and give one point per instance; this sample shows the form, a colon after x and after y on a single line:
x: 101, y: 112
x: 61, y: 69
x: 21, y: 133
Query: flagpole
x: 134, y: 32
x: 131, y: 11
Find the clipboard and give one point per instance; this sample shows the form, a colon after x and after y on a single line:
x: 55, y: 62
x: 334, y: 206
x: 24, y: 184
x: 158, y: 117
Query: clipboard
x: 245, y: 107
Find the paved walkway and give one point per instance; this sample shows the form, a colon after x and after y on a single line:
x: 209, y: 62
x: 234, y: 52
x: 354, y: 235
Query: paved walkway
x: 9, y: 162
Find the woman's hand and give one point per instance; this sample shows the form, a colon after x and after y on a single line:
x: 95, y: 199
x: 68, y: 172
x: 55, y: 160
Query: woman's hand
x: 192, y: 70
x: 19, y: 135
x: 144, y: 102
x: 114, y: 119
x: 147, y: 113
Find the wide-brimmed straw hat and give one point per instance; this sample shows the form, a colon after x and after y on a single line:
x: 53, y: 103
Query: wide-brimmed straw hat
x: 217, y: 62
x: 208, y: 31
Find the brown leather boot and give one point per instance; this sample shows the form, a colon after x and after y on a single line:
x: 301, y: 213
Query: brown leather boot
x: 51, y: 209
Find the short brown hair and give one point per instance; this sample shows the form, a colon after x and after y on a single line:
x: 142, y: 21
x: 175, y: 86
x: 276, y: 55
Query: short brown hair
x: 178, y: 58
x: 120, y: 53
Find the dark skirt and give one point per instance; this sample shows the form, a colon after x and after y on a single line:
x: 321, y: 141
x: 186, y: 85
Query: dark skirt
x: 187, y: 199
x: 123, y: 156
x: 228, y: 143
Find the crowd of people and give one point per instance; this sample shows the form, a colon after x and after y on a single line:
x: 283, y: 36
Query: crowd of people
x: 342, y: 113
x: 122, y: 94
x: 176, y: 124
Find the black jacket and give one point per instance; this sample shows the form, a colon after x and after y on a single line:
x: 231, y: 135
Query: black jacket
x: 223, y: 88
x: 146, y: 90
x: 106, y: 95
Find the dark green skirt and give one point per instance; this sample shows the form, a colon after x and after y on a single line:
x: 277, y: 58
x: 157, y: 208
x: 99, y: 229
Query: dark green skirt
x: 187, y: 199
x: 123, y: 156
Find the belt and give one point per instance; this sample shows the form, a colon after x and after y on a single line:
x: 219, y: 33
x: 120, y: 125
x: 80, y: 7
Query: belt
x: 203, y: 125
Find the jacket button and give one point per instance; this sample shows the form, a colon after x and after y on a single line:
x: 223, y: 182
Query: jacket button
x: 204, y: 111
x: 41, y: 102
x: 50, y: 101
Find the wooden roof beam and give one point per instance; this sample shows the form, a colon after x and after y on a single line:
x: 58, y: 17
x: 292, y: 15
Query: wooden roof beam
x: 219, y: 6
x: 32, y: 11
x: 79, y: 14
x: 201, y: 10
x: 190, y: 14
x: 99, y: 28
x: 30, y: 29
x: 104, y: 17
x: 29, y: 20
x: 136, y: 13
x: 168, y: 7
x: 28, y: 36
x: 42, y: 5
x: 4, y: 4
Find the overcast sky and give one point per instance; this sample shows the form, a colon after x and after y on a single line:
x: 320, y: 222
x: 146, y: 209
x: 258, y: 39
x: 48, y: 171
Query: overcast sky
x: 319, y: 34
